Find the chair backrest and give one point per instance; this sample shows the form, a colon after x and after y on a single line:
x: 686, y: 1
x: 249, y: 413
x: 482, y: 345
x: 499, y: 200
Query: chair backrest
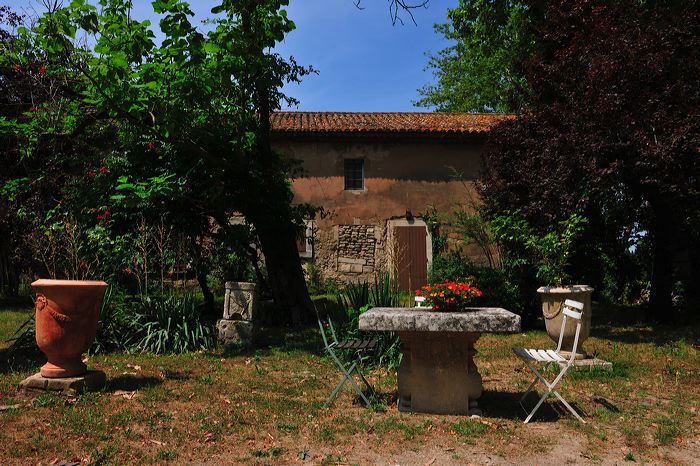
x: 324, y: 321
x: 571, y: 310
x: 420, y: 300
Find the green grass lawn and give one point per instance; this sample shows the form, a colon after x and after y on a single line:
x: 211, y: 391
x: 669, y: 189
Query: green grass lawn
x: 265, y: 407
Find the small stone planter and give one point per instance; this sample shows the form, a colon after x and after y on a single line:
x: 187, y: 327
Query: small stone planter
x: 240, y: 306
x: 552, y: 301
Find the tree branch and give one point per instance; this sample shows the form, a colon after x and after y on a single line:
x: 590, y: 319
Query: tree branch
x: 397, y: 6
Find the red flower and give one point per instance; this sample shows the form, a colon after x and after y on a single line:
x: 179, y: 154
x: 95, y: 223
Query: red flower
x: 18, y: 67
x: 91, y: 174
x: 42, y: 69
x: 151, y: 146
x: 104, y: 169
x: 34, y: 109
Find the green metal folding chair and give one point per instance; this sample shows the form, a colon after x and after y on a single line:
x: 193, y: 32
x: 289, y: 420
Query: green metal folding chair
x: 355, y: 348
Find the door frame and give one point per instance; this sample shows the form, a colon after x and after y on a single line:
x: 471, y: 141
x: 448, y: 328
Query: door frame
x: 391, y: 239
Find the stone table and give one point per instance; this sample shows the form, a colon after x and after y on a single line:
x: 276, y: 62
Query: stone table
x: 437, y: 373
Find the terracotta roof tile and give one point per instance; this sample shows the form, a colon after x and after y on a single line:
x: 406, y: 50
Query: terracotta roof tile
x: 384, y: 122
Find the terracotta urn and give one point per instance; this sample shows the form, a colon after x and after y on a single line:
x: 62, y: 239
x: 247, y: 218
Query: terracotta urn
x: 66, y: 323
x: 552, y: 301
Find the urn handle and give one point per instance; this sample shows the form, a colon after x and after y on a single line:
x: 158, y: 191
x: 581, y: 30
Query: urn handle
x: 43, y: 304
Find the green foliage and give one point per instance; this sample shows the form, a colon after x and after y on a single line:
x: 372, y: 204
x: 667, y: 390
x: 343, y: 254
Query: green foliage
x: 385, y: 292
x: 505, y: 286
x: 358, y: 298
x: 469, y: 427
x: 668, y: 429
x: 172, y: 133
x: 549, y: 252
x: 482, y: 71
x: 318, y: 284
x: 356, y: 295
x: 170, y: 324
x: 114, y: 327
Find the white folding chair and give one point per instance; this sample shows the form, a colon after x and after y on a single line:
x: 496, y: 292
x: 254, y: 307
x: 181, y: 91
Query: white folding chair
x: 573, y: 310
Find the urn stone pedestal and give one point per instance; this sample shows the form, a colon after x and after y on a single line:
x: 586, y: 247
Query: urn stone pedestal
x: 437, y: 373
x: 240, y: 305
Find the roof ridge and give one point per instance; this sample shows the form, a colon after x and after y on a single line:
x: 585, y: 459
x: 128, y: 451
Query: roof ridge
x: 344, y: 112
x: 309, y: 122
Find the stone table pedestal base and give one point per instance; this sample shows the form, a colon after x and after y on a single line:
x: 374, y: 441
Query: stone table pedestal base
x: 437, y: 373
x: 89, y: 382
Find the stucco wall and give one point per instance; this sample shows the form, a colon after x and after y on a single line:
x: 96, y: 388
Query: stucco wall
x: 400, y: 176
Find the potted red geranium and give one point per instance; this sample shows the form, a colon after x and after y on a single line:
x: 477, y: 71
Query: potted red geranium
x: 449, y: 296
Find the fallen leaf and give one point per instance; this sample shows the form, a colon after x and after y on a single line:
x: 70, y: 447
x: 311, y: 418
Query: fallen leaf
x: 125, y: 394
x: 6, y: 407
x: 156, y: 442
x: 431, y: 461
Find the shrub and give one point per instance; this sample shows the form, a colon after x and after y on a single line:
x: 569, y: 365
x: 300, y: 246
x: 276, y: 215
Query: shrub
x: 358, y: 298
x: 513, y: 286
x: 171, y: 324
x: 114, y: 327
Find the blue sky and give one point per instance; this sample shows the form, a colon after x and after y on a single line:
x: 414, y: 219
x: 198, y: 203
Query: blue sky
x: 364, y: 63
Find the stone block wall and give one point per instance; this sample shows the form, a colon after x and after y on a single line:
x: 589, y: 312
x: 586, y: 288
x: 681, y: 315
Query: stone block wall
x: 349, y: 252
x: 356, y: 249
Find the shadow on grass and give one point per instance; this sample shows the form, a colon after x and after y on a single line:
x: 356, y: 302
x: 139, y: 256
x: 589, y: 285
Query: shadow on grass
x: 20, y: 359
x: 506, y: 405
x: 629, y: 324
x: 285, y: 339
x: 132, y: 382
x: 640, y: 333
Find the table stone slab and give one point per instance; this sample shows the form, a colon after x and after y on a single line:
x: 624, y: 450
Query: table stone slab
x: 411, y: 319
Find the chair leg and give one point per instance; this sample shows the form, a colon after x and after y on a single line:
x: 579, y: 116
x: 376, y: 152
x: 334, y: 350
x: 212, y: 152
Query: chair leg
x: 537, y: 406
x: 529, y: 389
x: 346, y: 375
x: 550, y: 389
x: 573, y: 411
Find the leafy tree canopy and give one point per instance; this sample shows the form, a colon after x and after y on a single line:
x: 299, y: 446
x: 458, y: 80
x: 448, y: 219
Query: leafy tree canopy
x: 612, y: 130
x: 190, y: 118
x: 482, y: 71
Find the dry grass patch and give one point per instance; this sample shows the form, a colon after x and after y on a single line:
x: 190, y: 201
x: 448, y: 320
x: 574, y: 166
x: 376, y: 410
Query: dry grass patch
x: 265, y: 407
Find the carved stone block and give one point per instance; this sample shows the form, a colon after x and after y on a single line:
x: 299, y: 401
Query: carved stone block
x: 240, y: 301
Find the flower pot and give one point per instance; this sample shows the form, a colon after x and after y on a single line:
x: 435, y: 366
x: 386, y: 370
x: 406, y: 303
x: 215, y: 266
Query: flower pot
x: 552, y: 301
x: 66, y: 323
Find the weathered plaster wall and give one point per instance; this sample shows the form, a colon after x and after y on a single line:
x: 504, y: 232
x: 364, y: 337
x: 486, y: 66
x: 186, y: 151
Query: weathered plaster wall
x: 399, y: 176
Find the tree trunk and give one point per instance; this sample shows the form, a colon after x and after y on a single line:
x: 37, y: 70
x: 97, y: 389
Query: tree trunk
x: 285, y: 275
x: 208, y: 295
x: 660, y: 302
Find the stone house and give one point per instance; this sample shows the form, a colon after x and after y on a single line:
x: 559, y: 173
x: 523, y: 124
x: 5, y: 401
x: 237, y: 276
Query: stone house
x: 374, y: 174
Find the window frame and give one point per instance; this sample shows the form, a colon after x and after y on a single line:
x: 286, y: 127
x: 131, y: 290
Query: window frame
x: 355, y: 171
